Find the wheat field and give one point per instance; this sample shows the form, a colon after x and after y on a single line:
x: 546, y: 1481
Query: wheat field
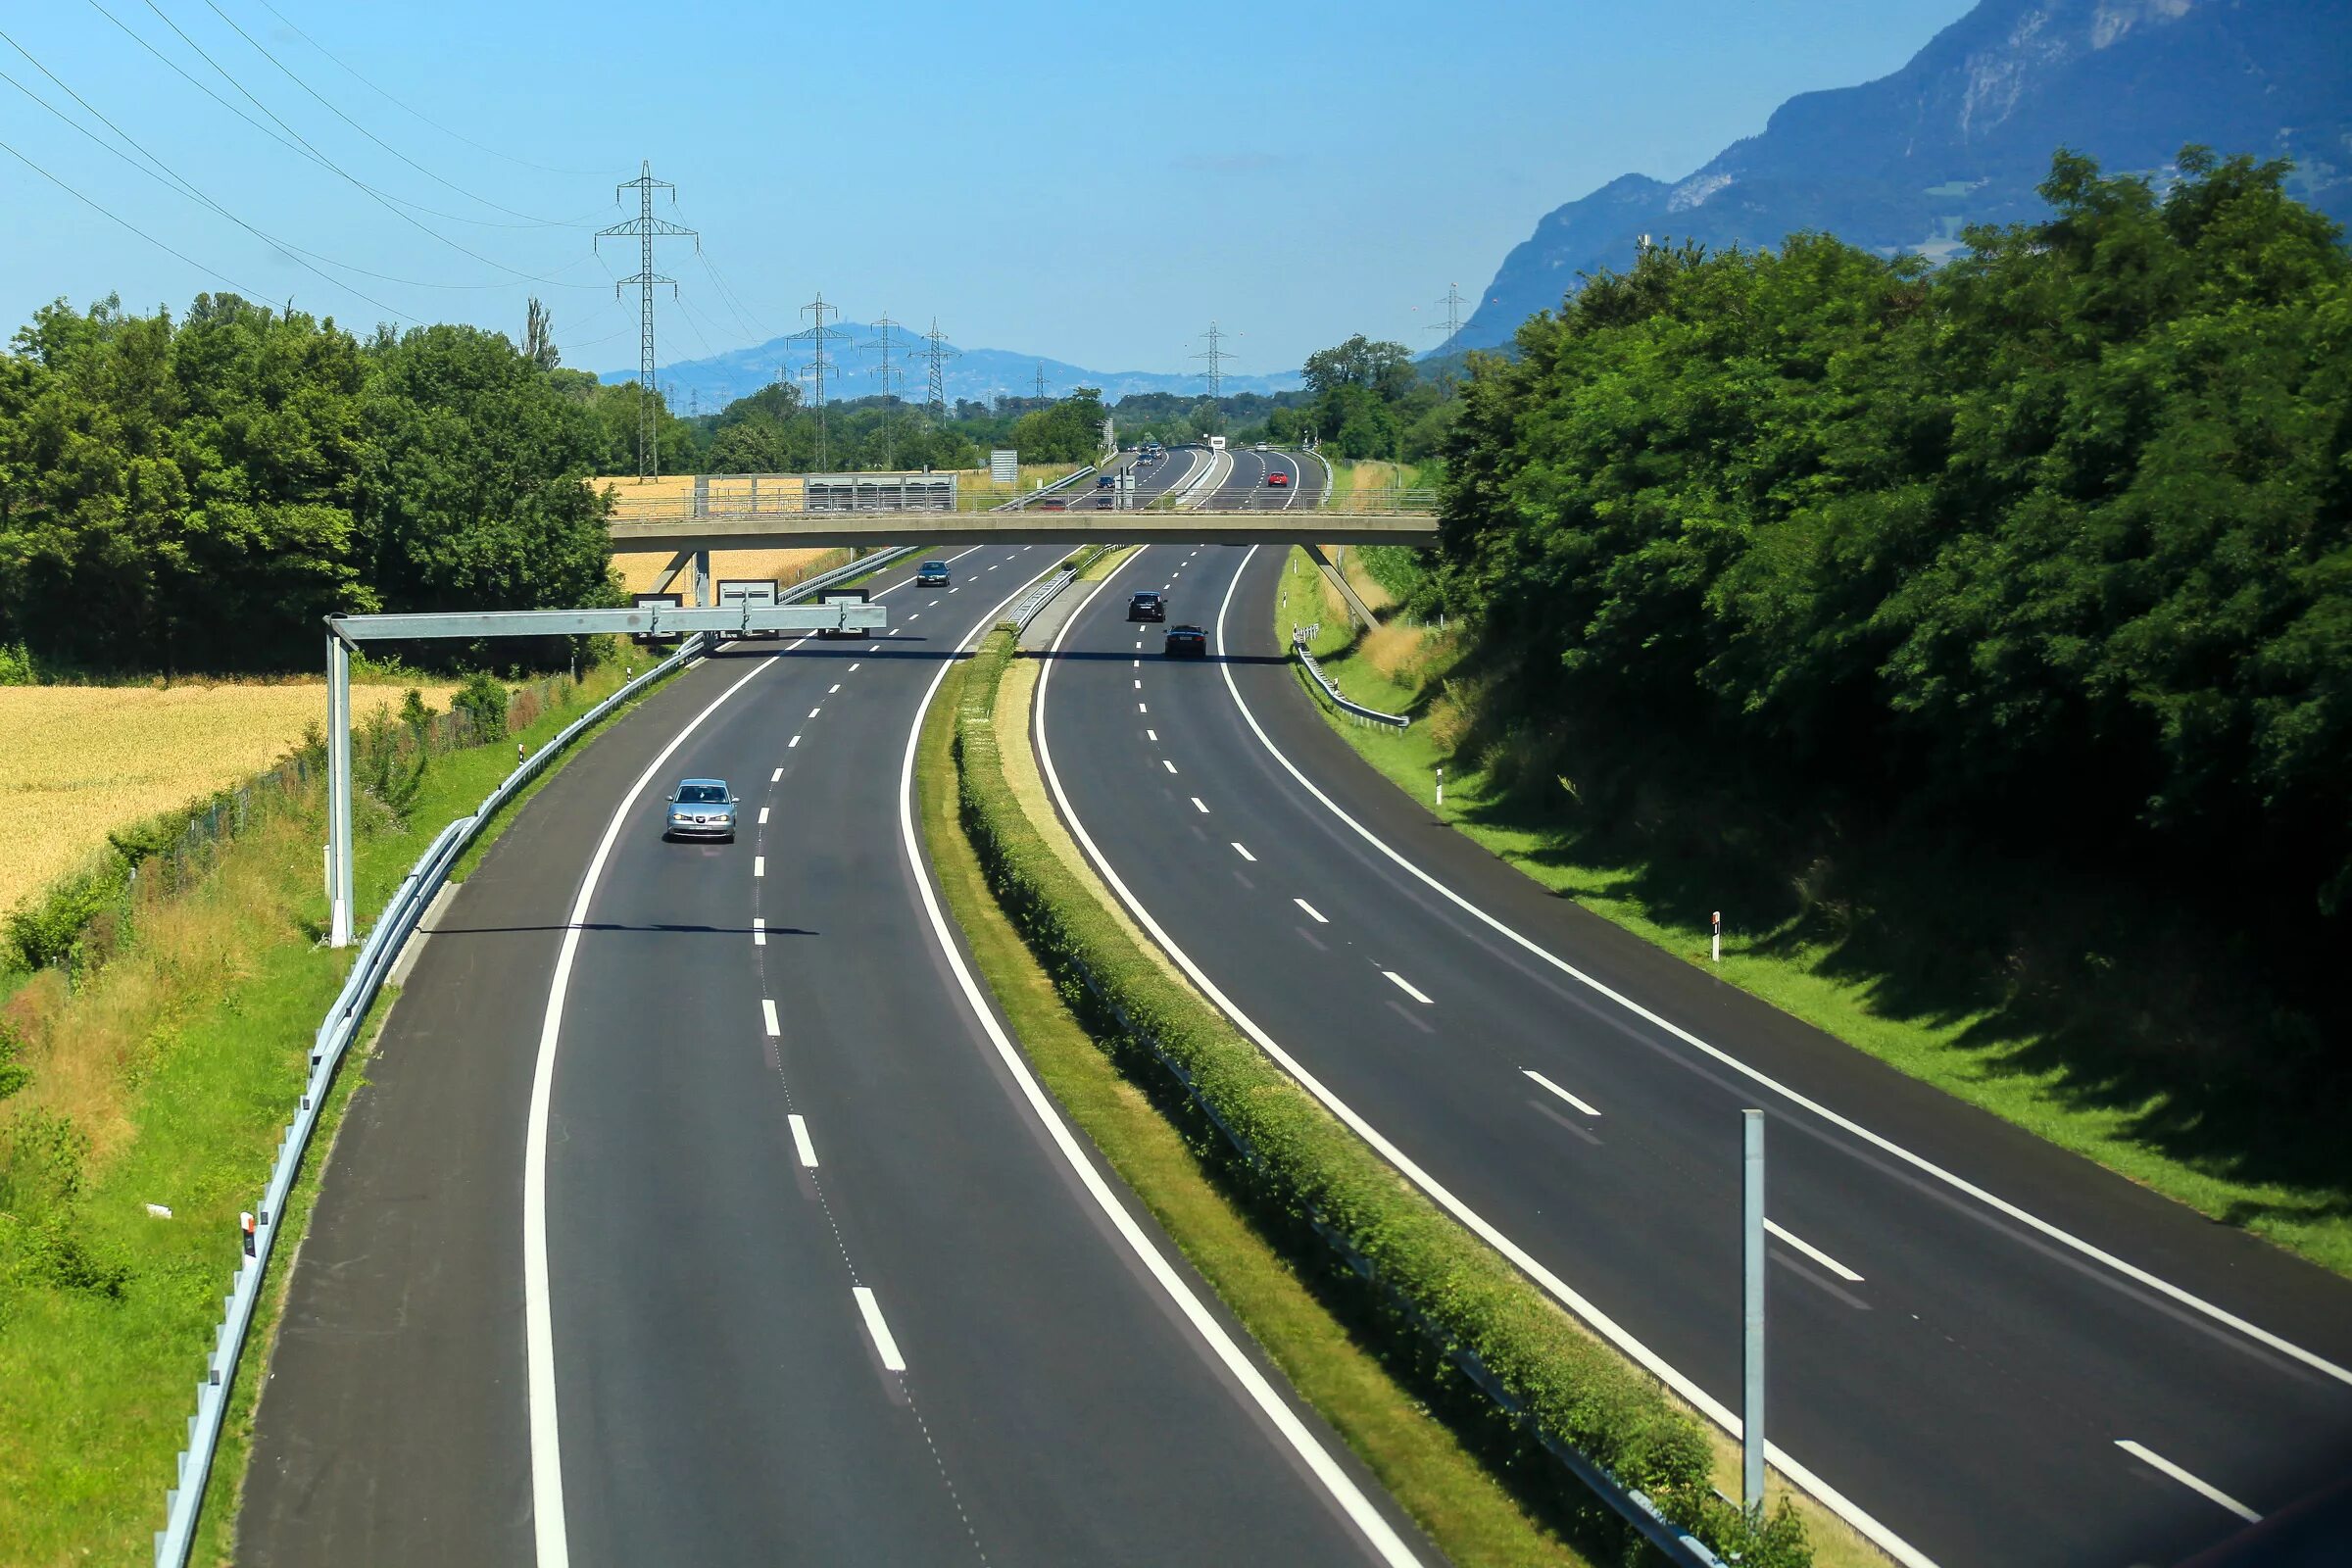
x: 78, y: 762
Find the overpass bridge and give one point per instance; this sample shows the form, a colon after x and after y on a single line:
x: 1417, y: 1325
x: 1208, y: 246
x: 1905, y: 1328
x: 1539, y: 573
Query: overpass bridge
x: 692, y: 534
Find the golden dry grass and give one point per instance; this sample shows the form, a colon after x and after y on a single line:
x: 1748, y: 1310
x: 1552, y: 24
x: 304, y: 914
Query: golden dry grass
x: 78, y: 762
x: 637, y: 570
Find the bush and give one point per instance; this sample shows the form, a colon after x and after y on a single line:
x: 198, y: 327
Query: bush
x: 1458, y: 1294
x: 483, y: 699
x: 16, y: 666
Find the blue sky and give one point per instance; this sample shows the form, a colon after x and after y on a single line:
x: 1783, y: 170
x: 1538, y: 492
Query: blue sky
x: 1051, y: 178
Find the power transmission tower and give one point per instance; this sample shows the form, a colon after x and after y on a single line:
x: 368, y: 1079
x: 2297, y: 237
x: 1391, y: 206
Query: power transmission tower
x: 884, y: 344
x: 1217, y: 357
x: 1041, y: 380
x: 1454, y: 303
x: 646, y: 227
x: 938, y: 353
x: 817, y: 335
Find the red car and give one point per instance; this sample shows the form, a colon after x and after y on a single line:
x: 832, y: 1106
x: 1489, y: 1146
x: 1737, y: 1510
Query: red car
x: 1277, y: 478
x: 1052, y: 506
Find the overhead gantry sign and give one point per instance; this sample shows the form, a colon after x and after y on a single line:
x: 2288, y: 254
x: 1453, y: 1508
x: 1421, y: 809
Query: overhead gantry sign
x: 347, y: 632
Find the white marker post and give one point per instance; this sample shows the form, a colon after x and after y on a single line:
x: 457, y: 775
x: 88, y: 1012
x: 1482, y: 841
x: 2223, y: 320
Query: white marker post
x: 1751, y: 1230
x: 1715, y: 944
x: 1440, y: 784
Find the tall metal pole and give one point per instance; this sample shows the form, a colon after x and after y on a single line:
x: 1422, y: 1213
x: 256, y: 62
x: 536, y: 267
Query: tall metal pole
x: 338, y: 793
x: 645, y: 227
x: 1752, y: 1231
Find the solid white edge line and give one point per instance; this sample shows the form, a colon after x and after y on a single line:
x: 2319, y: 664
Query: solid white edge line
x: 1812, y: 1252
x: 551, y: 1540
x: 1885, y: 1144
x: 801, y: 1144
x: 2210, y: 1494
x: 884, y: 1345
x: 1562, y: 1093
x: 768, y: 1016
x: 1313, y: 912
x: 1408, y: 988
x: 1600, y: 1321
x: 1336, y: 1481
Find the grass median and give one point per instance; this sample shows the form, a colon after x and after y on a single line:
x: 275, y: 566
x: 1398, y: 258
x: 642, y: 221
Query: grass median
x: 165, y: 1077
x: 1405, y: 1294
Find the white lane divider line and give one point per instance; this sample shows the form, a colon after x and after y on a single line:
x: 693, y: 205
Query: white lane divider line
x: 1201, y: 806
x: 852, y: 670
x: 1152, y: 735
x: 767, y: 1015
x: 788, y: 746
x: 959, y: 588
x: 1139, y: 685
x: 1554, y: 1088
x: 934, y: 604
x: 830, y: 690
x: 1170, y: 766
x: 877, y: 648
x: 801, y: 1144
x: 1245, y: 853
x: 1140, y: 708
x: 764, y: 816
x: 917, y: 616
x: 884, y: 1345
x: 1813, y: 1252
x: 758, y: 931
x: 1312, y: 914
x: 1136, y: 663
x: 1408, y: 987
x: 2210, y: 1494
x: 758, y: 866
x: 813, y: 712
x: 779, y: 773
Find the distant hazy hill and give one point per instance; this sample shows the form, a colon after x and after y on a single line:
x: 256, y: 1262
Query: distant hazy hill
x: 1964, y: 132
x: 979, y: 375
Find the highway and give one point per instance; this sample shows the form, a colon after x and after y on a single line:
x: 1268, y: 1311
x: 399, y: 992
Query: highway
x: 1985, y: 1349
x: 697, y: 1208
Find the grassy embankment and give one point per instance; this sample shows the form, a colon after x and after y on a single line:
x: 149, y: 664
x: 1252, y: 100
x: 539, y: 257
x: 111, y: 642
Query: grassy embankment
x: 164, y: 1076
x: 1480, y: 1488
x: 1847, y: 979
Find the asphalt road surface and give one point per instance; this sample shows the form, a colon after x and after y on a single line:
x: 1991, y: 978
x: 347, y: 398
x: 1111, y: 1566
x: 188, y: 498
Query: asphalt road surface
x: 695, y: 1212
x: 1990, y: 1350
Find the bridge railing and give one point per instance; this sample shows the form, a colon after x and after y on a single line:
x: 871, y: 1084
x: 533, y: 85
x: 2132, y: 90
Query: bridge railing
x: 1267, y: 497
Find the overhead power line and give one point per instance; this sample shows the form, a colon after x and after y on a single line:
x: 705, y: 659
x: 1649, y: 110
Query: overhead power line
x: 243, y: 289
x: 348, y: 70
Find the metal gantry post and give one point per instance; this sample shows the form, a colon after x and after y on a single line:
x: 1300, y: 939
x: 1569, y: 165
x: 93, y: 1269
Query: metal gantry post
x: 1751, y: 1233
x: 338, y: 793
x: 702, y: 578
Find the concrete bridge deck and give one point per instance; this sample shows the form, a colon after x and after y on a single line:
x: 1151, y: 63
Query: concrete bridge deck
x: 778, y: 530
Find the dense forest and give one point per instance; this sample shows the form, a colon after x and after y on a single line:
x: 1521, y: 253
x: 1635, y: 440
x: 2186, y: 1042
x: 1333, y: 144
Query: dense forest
x: 2049, y: 551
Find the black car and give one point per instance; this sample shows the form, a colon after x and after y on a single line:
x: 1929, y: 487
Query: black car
x: 1147, y: 605
x: 1104, y: 481
x: 931, y: 574
x: 1186, y: 642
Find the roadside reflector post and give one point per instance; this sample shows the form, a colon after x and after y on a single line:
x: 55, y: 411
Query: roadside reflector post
x: 1441, y: 783
x: 245, y: 1230
x: 518, y: 754
x: 1715, y: 943
x: 1751, y: 1232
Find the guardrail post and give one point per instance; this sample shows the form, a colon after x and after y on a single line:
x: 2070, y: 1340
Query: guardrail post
x: 1752, y: 1228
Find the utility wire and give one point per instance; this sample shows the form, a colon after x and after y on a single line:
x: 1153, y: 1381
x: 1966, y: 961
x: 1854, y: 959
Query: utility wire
x: 171, y: 179
x: 242, y: 289
x: 374, y: 194
x: 380, y: 92
x: 338, y: 112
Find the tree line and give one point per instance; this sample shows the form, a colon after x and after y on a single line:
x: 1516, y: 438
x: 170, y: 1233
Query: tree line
x: 2052, y: 544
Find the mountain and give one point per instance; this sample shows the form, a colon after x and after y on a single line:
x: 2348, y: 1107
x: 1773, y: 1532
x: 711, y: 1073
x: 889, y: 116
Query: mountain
x: 1964, y: 132
x: 979, y: 375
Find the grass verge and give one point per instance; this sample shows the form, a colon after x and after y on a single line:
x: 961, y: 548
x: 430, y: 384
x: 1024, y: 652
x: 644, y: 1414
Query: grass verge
x: 199, y: 1027
x: 1401, y: 670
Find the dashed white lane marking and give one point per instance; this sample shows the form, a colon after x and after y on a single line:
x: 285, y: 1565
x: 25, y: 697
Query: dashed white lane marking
x: 779, y: 773
x: 1139, y: 685
x: 933, y: 604
x: 1139, y: 642
x: 1170, y: 766
x: 1200, y: 806
x: 1313, y: 912
x: 1136, y: 663
x: 1140, y: 708
x: 1813, y: 1252
x: 1562, y: 1093
x: 917, y: 616
x: 993, y: 565
x: 884, y: 1345
x: 788, y: 746
x: 813, y: 712
x: 1408, y: 987
x: 758, y: 932
x: 959, y: 588
x: 767, y: 1016
x: 801, y: 1144
x: 830, y: 690
x: 852, y: 670
x: 2209, y: 1493
x: 758, y: 866
x: 1245, y: 853
x: 877, y: 648
x: 764, y: 816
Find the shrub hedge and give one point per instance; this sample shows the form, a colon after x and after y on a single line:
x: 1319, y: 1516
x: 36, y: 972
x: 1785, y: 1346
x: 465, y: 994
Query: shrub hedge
x: 1483, y: 1314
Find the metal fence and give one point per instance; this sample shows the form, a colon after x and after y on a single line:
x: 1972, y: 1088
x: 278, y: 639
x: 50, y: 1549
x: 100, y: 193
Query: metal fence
x: 334, y: 1038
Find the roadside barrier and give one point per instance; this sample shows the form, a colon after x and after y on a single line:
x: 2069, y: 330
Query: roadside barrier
x: 376, y: 955
x: 1026, y: 608
x: 1300, y: 636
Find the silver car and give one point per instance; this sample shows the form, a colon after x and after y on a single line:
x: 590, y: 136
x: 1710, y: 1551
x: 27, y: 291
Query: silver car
x: 700, y: 808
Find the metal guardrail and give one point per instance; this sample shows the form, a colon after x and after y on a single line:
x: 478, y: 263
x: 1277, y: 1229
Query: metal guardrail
x: 376, y: 955
x: 842, y: 574
x: 1030, y: 603
x: 1021, y: 503
x: 1300, y: 636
